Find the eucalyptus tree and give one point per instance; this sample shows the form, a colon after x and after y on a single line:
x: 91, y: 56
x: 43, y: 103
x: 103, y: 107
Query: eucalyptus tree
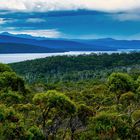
x: 4, y: 67
x: 120, y: 83
x: 52, y: 106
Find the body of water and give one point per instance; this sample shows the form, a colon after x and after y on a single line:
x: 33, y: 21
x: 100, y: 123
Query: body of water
x: 11, y: 58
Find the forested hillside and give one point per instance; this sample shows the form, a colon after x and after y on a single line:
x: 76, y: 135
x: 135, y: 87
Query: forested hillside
x: 75, y: 68
x: 74, y: 110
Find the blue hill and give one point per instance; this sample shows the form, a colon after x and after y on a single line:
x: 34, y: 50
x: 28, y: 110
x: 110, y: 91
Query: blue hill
x: 24, y: 43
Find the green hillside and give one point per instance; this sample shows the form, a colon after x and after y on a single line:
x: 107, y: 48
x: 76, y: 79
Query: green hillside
x: 75, y: 68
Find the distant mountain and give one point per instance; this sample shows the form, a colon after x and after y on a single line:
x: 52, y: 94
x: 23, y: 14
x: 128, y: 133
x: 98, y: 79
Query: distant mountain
x: 22, y: 36
x: 114, y: 44
x: 23, y: 48
x: 10, y: 43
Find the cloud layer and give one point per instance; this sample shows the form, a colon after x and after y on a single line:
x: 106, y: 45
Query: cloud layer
x: 71, y: 18
x: 55, y: 5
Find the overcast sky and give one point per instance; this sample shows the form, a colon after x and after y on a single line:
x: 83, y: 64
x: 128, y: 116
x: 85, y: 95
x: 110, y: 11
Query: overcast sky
x: 85, y: 19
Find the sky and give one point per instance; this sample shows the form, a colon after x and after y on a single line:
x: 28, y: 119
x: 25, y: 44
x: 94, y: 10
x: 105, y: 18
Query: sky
x: 72, y: 19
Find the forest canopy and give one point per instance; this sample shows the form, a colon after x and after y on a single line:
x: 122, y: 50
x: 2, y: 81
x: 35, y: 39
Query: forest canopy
x: 94, y: 108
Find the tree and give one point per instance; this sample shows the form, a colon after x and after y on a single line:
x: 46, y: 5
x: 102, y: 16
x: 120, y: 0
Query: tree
x: 36, y: 133
x: 138, y: 81
x: 120, y: 83
x: 10, y: 98
x: 4, y: 67
x: 12, y: 81
x: 136, y: 124
x: 106, y: 126
x: 127, y: 98
x: 53, y: 102
x: 11, y: 127
x: 80, y: 119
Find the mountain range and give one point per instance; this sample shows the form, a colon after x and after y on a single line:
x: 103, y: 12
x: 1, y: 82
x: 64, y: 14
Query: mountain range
x: 10, y: 43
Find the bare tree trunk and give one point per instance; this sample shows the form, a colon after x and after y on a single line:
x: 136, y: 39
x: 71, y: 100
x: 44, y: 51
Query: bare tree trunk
x: 72, y: 129
x: 44, y: 115
x: 72, y: 135
x: 64, y: 135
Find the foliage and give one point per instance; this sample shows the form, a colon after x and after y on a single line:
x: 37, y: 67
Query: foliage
x: 53, y: 99
x: 110, y: 126
x: 78, y: 68
x: 120, y: 83
x: 94, y: 97
x: 4, y: 67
